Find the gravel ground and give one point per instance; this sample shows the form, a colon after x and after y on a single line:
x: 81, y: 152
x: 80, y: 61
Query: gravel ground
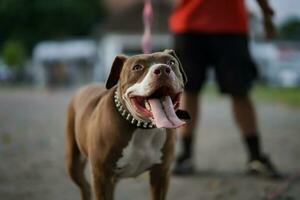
x: 32, y: 157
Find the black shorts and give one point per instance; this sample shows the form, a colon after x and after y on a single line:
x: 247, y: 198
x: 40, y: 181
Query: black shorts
x: 227, y: 54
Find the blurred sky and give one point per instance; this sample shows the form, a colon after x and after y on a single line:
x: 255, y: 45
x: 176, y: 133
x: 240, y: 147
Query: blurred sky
x: 283, y: 8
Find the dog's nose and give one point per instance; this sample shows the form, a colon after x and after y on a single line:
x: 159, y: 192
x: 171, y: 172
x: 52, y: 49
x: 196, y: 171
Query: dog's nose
x: 162, y: 69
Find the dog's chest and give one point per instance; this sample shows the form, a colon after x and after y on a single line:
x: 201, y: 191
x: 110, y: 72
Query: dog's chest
x: 142, y: 151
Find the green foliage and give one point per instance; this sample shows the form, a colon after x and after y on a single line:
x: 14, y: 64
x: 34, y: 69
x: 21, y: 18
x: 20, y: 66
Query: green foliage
x: 14, y: 54
x: 30, y: 21
x: 290, y: 29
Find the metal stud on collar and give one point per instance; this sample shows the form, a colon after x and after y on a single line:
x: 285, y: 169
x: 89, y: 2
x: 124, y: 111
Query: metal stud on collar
x: 128, y: 117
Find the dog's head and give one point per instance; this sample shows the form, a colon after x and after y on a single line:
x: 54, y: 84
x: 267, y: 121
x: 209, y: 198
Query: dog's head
x: 150, y: 86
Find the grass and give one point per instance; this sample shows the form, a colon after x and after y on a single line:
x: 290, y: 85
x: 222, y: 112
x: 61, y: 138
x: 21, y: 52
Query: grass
x: 287, y: 96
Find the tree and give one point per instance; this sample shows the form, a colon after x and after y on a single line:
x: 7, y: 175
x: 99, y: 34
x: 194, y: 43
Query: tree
x: 30, y: 21
x: 290, y: 29
x: 14, y: 54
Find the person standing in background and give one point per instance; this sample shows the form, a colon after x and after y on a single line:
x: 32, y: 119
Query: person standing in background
x: 215, y: 33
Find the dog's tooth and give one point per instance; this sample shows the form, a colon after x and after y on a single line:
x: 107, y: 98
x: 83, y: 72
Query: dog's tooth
x: 147, y: 105
x: 128, y: 116
x: 124, y: 112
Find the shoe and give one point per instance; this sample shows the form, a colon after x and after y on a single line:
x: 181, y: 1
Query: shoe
x: 263, y: 167
x: 184, y: 167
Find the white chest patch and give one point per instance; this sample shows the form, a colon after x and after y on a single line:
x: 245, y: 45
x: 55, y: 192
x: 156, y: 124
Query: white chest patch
x: 142, y: 151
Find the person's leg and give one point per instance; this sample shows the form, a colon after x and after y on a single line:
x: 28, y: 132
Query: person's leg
x: 190, y: 104
x: 184, y: 163
x: 245, y: 118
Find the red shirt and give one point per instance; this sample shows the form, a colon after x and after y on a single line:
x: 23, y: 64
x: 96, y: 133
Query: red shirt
x: 209, y: 16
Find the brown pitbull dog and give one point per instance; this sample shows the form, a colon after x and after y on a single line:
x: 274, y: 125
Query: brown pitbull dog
x: 127, y: 128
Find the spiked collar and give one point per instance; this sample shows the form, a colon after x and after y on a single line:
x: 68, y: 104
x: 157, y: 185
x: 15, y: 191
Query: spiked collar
x: 128, y: 116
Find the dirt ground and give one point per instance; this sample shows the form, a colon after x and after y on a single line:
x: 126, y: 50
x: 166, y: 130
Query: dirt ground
x: 32, y: 156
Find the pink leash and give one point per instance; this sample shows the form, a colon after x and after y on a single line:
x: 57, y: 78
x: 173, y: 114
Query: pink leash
x: 147, y: 18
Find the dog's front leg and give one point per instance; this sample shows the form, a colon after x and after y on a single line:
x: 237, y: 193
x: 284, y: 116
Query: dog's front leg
x: 103, y: 184
x: 159, y: 181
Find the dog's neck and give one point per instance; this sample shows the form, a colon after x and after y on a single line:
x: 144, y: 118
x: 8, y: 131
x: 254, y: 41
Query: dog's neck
x: 128, y: 116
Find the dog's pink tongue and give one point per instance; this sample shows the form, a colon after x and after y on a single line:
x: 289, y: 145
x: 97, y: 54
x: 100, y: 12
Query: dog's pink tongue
x: 164, y: 113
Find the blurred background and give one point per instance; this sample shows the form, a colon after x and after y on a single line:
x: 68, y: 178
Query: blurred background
x: 50, y: 48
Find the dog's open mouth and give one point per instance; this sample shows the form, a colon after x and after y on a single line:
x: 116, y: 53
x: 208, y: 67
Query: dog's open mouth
x: 160, y: 107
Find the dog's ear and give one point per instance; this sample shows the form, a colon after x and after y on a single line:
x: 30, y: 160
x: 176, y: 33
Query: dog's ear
x: 182, y: 114
x: 115, y: 71
x: 172, y: 53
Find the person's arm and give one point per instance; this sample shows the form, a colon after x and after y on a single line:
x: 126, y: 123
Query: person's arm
x: 268, y: 13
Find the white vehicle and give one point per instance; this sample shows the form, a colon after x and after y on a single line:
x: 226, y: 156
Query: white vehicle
x: 61, y: 63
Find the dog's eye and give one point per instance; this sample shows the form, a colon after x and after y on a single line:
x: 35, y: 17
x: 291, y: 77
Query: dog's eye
x: 171, y: 63
x: 137, y: 67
